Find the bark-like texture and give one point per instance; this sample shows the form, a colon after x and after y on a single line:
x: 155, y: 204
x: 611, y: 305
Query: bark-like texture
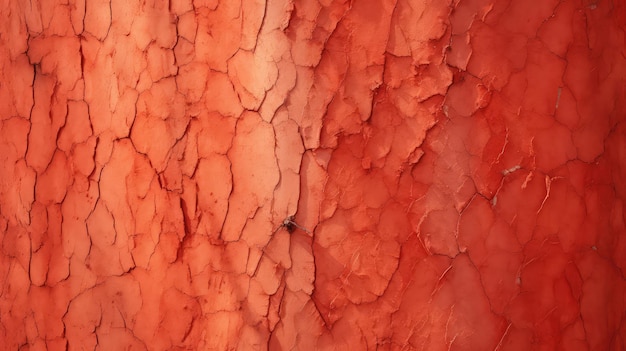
x: 456, y: 169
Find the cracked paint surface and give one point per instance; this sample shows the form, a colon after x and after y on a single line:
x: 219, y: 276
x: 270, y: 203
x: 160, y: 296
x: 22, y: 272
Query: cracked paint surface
x: 455, y: 170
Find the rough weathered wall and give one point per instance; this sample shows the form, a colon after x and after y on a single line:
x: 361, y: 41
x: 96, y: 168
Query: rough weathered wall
x: 457, y: 168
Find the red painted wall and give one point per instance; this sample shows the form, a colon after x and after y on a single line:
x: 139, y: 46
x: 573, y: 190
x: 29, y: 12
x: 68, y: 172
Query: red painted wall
x: 456, y: 171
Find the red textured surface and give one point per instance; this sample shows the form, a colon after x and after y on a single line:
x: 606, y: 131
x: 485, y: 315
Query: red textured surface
x: 458, y: 171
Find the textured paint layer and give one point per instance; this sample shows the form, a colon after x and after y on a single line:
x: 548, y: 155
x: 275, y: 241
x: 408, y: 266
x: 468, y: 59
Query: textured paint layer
x: 296, y: 174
